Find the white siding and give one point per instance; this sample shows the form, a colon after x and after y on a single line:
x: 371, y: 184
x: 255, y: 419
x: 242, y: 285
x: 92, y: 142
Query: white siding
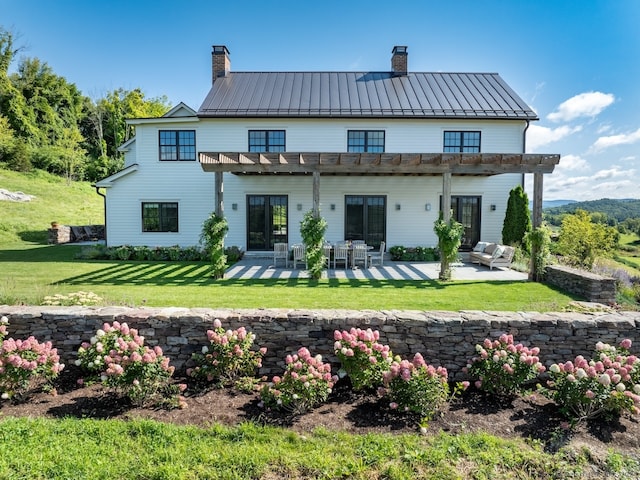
x: 193, y: 189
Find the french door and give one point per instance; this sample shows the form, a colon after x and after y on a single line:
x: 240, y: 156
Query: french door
x: 466, y: 210
x: 267, y: 221
x: 365, y: 218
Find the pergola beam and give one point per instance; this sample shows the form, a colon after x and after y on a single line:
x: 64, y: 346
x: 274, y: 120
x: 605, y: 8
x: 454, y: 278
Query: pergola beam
x: 378, y: 164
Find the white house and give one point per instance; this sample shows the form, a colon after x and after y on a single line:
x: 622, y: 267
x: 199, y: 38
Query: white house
x: 378, y: 154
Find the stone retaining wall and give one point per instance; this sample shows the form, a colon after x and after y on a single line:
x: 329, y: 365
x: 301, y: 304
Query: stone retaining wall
x: 444, y: 338
x: 593, y: 287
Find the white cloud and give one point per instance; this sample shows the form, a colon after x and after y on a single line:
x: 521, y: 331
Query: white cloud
x: 572, y: 162
x: 538, y: 136
x: 613, y: 140
x: 612, y: 173
x: 587, y: 104
x: 617, y: 189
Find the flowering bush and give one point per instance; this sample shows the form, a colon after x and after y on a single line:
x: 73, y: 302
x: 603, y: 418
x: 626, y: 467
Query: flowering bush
x: 363, y: 359
x: 228, y: 356
x: 24, y: 364
x: 502, y: 367
x: 73, y: 298
x: 605, y: 385
x: 118, y: 356
x: 414, y: 386
x: 306, y: 382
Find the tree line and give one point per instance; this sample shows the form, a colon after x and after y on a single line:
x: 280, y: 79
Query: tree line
x: 621, y: 214
x: 47, y: 123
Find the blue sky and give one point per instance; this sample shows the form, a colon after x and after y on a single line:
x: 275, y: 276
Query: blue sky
x: 576, y: 63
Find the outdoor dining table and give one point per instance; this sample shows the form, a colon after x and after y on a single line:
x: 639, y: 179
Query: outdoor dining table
x: 350, y: 245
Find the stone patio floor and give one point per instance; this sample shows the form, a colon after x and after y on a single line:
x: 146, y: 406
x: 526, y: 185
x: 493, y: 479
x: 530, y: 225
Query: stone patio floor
x: 263, y: 268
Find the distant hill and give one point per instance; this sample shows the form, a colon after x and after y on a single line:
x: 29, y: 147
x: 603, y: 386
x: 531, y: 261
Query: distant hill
x: 618, y: 209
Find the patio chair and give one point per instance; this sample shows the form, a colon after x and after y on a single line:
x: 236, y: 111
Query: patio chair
x: 281, y: 252
x: 326, y: 251
x: 299, y: 255
x: 78, y: 234
x: 341, y: 254
x: 359, y: 254
x: 377, y: 256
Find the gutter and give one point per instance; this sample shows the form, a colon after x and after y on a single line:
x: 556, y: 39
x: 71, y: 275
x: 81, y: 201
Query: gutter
x: 524, y: 144
x: 104, y: 203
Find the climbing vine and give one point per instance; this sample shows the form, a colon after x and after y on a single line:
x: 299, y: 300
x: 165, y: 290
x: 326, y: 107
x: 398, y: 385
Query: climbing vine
x: 540, y: 241
x: 449, y: 239
x: 214, y: 230
x: 312, y: 229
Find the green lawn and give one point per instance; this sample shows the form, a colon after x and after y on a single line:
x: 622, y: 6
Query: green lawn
x: 98, y: 449
x: 32, y: 271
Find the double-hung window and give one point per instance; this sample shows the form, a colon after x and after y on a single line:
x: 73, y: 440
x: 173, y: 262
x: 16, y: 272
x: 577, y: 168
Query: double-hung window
x: 159, y: 216
x: 361, y: 141
x: 462, y: 142
x: 266, y: 141
x: 177, y: 145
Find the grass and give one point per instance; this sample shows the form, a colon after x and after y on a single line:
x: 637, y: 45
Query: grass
x: 30, y: 272
x: 74, y: 204
x: 136, y: 449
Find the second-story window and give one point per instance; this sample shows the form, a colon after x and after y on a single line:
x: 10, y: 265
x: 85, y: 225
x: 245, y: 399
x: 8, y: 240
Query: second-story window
x: 266, y: 141
x: 177, y: 145
x: 361, y: 141
x: 461, y: 142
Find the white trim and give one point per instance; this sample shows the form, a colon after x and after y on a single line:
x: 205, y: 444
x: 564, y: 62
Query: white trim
x: 108, y: 182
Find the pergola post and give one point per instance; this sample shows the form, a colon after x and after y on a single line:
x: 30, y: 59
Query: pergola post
x: 446, y: 196
x: 219, y: 194
x: 316, y: 194
x: 536, y: 221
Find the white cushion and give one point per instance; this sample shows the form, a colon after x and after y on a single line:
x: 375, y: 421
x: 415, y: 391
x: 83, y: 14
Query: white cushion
x: 480, y: 246
x: 498, y: 251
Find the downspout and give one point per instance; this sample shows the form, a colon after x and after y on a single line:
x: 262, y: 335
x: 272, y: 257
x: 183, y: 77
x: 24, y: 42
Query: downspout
x: 104, y: 208
x: 524, y: 145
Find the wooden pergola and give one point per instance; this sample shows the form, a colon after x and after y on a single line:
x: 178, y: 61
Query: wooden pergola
x: 431, y: 164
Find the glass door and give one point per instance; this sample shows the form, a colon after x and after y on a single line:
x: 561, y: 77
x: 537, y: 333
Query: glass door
x: 466, y: 210
x: 266, y: 221
x: 365, y: 218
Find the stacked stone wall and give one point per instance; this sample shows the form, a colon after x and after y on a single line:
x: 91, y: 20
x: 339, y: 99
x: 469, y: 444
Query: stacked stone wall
x: 444, y: 338
x: 592, y: 287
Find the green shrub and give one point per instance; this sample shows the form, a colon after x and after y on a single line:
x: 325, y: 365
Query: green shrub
x: 414, y: 254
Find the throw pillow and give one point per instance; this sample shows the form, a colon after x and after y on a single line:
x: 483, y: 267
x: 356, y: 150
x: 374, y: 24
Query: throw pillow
x: 498, y: 251
x: 480, y: 246
x: 490, y: 248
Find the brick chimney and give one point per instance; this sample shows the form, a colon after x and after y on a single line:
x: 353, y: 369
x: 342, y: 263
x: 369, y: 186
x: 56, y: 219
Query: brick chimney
x: 399, y: 60
x: 220, y: 63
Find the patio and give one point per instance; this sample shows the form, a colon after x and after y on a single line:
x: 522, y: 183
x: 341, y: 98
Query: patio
x: 251, y: 267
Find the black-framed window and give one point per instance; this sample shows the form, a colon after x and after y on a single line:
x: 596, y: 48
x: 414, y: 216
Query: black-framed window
x: 267, y: 141
x: 361, y: 141
x: 462, y: 142
x: 177, y: 145
x: 159, y: 216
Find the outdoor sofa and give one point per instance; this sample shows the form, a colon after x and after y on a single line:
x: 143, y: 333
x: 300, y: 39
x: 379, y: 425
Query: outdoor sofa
x: 492, y: 255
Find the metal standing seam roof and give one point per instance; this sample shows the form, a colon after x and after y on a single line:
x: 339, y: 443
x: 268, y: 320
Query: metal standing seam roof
x: 364, y: 94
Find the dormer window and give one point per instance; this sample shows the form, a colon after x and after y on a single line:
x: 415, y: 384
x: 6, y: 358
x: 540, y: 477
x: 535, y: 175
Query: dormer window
x: 177, y: 145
